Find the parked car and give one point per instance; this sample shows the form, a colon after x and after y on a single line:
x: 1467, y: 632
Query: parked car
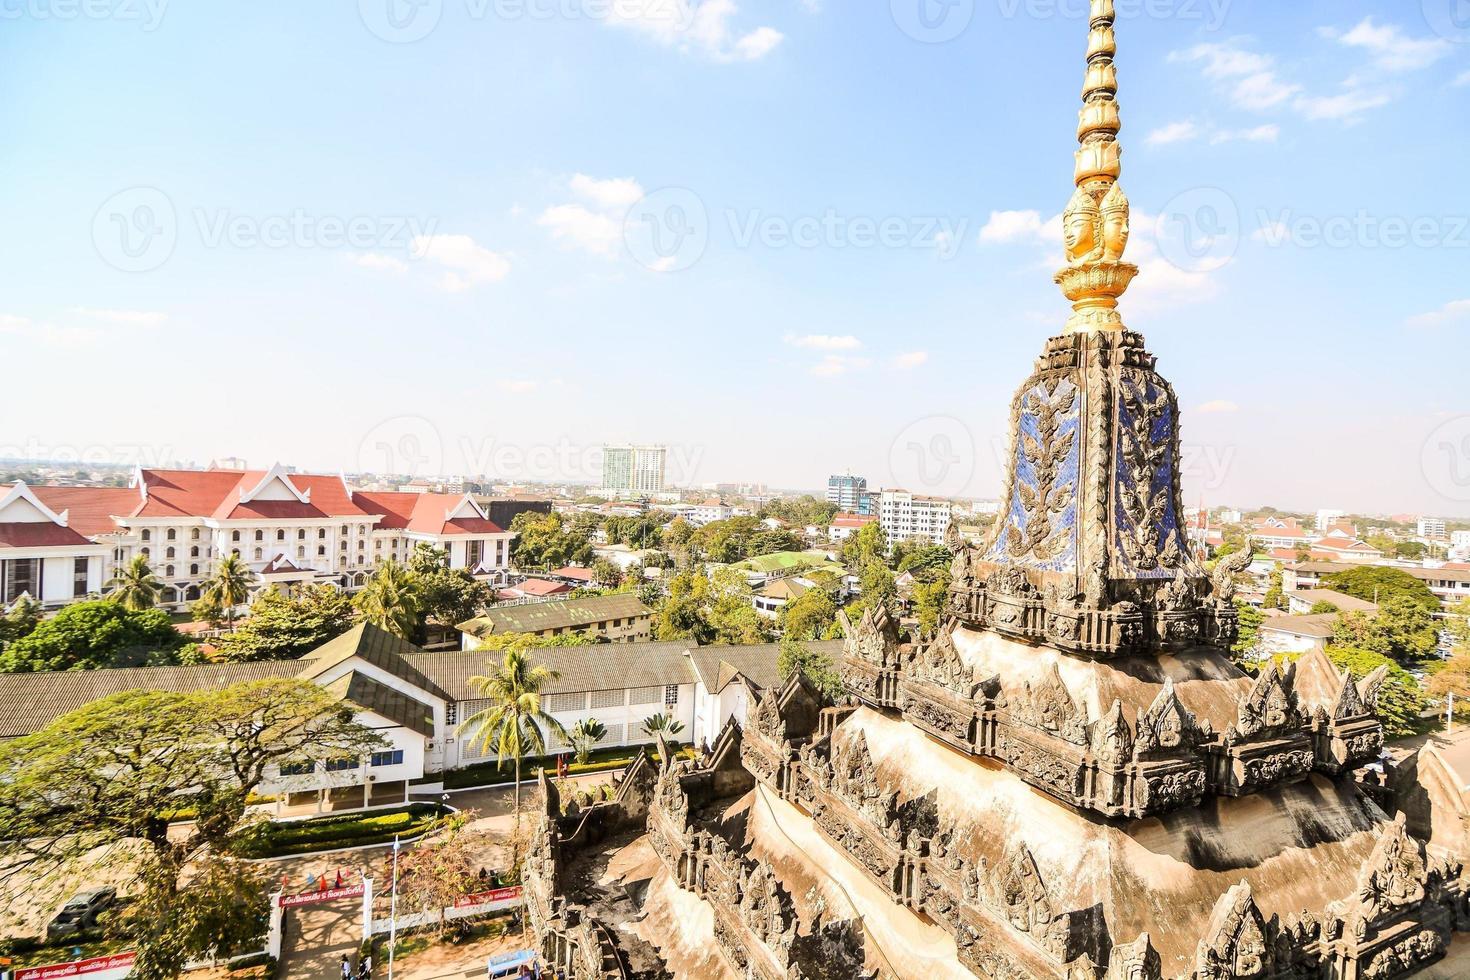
x: 81, y: 912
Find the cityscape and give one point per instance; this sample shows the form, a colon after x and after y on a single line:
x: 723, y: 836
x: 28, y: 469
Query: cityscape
x: 496, y: 570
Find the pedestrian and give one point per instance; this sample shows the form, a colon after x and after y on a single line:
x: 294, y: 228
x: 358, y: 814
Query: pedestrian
x: 536, y: 969
x: 346, y: 968
x: 365, y: 968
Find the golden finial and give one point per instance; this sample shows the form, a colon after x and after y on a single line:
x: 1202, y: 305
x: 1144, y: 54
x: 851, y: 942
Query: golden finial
x: 1096, y: 221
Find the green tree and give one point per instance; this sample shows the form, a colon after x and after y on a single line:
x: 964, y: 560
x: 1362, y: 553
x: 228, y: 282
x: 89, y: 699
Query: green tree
x: 869, y: 544
x: 1400, y: 701
x: 97, y: 633
x: 607, y: 573
x: 112, y: 774
x: 20, y: 620
x: 1379, y: 583
x: 514, y: 724
x: 1275, y: 596
x: 229, y: 586
x: 447, y: 596
x: 442, y: 869
x: 282, y: 627
x: 927, y: 562
x: 390, y: 600
x: 135, y: 586
x: 878, y: 585
x: 808, y: 616
x: 585, y: 736
x: 929, y: 599
x: 1251, y: 620
x: 796, y: 656
x: 1322, y: 608
x: 1402, y: 629
x: 545, y: 540
x: 537, y: 641
x: 666, y: 725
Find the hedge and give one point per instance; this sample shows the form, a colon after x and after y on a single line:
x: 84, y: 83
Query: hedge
x: 273, y: 839
x: 602, y: 760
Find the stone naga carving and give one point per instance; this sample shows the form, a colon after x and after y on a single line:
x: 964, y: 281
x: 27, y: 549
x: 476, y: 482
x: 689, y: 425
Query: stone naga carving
x: 1223, y: 580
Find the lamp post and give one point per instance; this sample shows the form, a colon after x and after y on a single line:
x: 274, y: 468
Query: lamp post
x: 393, y: 911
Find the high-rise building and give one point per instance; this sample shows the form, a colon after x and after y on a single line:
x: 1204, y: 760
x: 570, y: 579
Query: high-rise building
x: 1327, y: 518
x: 905, y: 516
x: 633, y: 470
x: 1431, y: 527
x: 850, y: 494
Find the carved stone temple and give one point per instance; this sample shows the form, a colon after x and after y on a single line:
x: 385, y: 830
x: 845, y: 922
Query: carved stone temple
x: 1070, y: 780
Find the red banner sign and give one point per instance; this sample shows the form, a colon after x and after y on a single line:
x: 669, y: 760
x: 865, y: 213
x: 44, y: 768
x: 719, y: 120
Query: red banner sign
x: 78, y: 968
x: 487, y: 898
x: 322, y: 895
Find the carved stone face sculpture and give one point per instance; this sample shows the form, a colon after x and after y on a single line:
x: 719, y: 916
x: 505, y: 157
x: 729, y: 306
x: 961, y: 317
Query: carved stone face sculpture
x: 1250, y: 951
x: 1115, y: 228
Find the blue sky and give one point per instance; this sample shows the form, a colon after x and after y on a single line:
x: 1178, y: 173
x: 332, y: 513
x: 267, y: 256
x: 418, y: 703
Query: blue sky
x: 787, y: 237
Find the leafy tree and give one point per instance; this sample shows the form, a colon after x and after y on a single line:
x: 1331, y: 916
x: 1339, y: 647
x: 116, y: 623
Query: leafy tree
x: 1251, y: 620
x: 727, y: 541
x: 97, y: 633
x: 809, y: 615
x: 772, y: 542
x: 867, y: 545
x: 1452, y: 678
x: 607, y: 573
x: 1275, y: 597
x: 1379, y: 583
x: 800, y: 511
x: 1303, y: 553
x: 545, y: 540
x: 795, y: 656
x: 448, y: 596
x: 1322, y: 608
x: 20, y: 620
x: 229, y: 586
x: 1402, y: 629
x: 1400, y: 702
x: 927, y: 562
x: 135, y: 586
x: 514, y: 723
x: 282, y: 627
x: 878, y: 585
x: 536, y: 641
x: 677, y: 535
x: 585, y: 736
x: 391, y: 600
x: 441, y: 870
x: 710, y: 609
x: 112, y: 773
x: 930, y: 599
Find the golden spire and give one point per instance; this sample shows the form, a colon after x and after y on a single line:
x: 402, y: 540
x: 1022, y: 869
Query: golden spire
x: 1096, y: 221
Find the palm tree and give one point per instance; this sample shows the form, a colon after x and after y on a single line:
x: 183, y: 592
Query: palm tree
x: 514, y: 723
x: 135, y: 586
x: 668, y: 725
x: 391, y: 600
x: 586, y: 734
x: 229, y: 586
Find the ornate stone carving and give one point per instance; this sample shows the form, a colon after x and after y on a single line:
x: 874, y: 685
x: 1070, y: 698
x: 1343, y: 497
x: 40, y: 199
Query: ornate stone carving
x: 1019, y: 895
x: 1146, y: 421
x: 1395, y: 874
x: 1223, y: 579
x: 1137, y: 960
x: 1270, y: 708
x: 1047, y: 439
x: 1235, y: 945
x: 1046, y: 705
x: 1404, y: 955
x: 1112, y: 738
x: 939, y: 662
x: 1167, y: 726
x: 874, y: 638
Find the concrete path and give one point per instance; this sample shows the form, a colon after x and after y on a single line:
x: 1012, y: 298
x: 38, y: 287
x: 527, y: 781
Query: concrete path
x: 318, y: 936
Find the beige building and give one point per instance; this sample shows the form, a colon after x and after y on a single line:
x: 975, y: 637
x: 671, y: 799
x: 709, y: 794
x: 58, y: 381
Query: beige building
x: 618, y: 618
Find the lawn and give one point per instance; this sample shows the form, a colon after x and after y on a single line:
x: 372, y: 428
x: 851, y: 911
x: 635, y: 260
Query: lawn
x: 277, y: 839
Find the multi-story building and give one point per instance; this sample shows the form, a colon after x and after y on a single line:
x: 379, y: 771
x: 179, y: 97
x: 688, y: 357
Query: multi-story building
x: 289, y: 528
x: 617, y: 618
x: 1450, y: 585
x: 905, y: 516
x: 850, y: 494
x: 633, y: 470
x: 1460, y: 539
x: 1432, y: 528
x: 845, y: 525
x: 1327, y: 518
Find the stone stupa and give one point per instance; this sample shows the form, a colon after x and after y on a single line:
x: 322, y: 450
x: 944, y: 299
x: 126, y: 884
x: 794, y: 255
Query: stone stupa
x: 1071, y: 780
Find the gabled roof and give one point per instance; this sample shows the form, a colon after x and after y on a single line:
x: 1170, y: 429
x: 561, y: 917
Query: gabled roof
x: 376, y: 646
x: 717, y: 667
x: 397, y: 706
x: 603, y: 667
x: 429, y: 513
x: 89, y: 510
x: 1320, y: 626
x: 564, y: 614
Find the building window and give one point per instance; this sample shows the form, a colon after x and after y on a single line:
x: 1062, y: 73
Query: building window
x: 321, y: 534
x: 303, y: 768
x: 644, y: 695
x: 671, y: 694
x: 193, y: 569
x: 473, y: 552
x: 147, y: 535
x: 194, y: 534
x: 321, y: 550
x: 144, y: 552
x: 301, y: 534
x: 79, y: 577
x: 168, y: 571
x: 343, y: 546
x: 451, y: 713
x: 341, y: 765
x: 393, y: 758
x: 194, y: 551
x: 235, y: 552
x: 234, y: 535
x: 344, y: 529
x: 260, y: 535
x: 169, y: 552
x: 608, y: 699
x: 171, y: 534
x: 301, y: 552
x: 259, y: 555
x: 280, y: 534
x: 566, y: 702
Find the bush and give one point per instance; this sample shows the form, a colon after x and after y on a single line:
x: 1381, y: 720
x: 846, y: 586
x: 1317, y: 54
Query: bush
x: 272, y: 839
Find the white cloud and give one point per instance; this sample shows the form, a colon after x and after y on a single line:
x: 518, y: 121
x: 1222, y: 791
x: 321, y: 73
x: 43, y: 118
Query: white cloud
x: 703, y: 27
x: 817, y: 341
x: 1161, y: 285
x: 469, y: 264
x: 574, y: 225
x: 1263, y: 91
x: 1463, y: 80
x: 1345, y: 107
x: 1391, y: 48
x: 912, y: 359
x: 380, y: 263
x: 126, y: 318
x: 1176, y: 132
x: 1218, y: 408
x: 1249, y: 77
x: 1451, y: 313
x: 836, y: 364
x: 1268, y: 133
x: 520, y: 387
x: 24, y: 328
x: 616, y: 193
x: 1011, y: 226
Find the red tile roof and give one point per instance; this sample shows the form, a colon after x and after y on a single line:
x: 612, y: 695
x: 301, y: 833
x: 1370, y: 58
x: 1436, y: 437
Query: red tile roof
x: 538, y: 587
x: 41, y: 534
x: 580, y: 574
x: 90, y: 510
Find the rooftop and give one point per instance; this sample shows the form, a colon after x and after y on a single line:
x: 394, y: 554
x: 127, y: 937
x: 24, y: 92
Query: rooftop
x: 562, y: 614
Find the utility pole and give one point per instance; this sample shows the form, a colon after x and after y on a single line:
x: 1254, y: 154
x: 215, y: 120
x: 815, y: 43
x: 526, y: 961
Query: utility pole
x: 393, y: 911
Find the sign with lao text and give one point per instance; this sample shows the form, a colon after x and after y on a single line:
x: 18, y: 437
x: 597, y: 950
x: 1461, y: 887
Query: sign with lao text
x: 119, y: 964
x: 321, y: 895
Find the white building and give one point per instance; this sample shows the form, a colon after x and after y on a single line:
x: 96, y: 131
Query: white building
x: 844, y: 526
x: 289, y: 528
x: 1432, y: 528
x: 633, y: 470
x: 711, y: 510
x: 1327, y: 518
x: 905, y: 516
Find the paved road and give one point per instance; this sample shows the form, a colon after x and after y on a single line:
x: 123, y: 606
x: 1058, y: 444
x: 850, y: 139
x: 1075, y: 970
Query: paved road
x: 318, y: 936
